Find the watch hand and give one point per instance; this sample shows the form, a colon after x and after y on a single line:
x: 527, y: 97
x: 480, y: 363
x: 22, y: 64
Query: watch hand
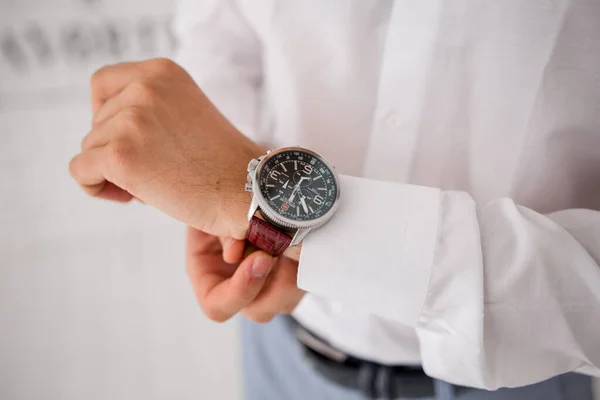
x: 285, y: 184
x: 295, y: 189
x: 304, y: 205
x: 291, y: 199
x: 305, y: 196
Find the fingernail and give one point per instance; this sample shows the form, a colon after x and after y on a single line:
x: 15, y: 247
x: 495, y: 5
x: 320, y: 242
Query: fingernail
x: 261, y: 266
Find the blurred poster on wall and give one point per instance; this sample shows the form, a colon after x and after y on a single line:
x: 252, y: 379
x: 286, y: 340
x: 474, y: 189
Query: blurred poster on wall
x: 48, y: 49
x: 94, y: 299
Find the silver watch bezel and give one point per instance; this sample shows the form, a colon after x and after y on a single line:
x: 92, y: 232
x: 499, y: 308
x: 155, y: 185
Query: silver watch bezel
x: 272, y: 215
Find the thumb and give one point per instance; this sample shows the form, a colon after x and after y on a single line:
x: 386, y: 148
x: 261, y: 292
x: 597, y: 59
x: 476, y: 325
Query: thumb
x: 229, y: 296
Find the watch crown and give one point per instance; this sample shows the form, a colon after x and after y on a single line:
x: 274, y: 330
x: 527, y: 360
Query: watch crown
x: 252, y: 164
x: 248, y: 187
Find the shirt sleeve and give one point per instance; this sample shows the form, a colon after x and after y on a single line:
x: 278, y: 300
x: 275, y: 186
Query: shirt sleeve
x: 220, y: 50
x: 499, y: 295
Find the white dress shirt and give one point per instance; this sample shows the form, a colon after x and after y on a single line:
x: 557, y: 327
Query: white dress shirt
x: 468, y: 136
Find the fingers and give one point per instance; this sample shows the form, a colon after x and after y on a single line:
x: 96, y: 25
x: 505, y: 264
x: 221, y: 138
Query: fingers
x: 110, y: 80
x: 221, y: 296
x: 223, y: 290
x: 102, y: 134
x: 88, y: 169
x: 279, y: 295
x: 233, y: 250
x: 200, y: 244
x: 114, y: 193
x: 141, y: 93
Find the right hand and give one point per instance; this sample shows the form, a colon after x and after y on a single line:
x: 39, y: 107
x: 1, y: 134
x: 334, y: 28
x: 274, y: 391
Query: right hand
x: 259, y: 287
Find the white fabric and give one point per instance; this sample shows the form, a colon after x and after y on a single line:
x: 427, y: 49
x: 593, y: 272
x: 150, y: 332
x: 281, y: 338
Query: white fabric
x: 490, y: 278
x: 410, y: 242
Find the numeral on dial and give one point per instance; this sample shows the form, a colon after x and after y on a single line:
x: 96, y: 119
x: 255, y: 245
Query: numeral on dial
x: 300, y: 178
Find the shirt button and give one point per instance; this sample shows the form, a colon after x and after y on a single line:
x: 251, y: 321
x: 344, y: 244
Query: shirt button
x: 393, y: 120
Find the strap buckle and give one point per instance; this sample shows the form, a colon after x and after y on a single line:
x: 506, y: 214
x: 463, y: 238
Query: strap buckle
x: 319, y: 346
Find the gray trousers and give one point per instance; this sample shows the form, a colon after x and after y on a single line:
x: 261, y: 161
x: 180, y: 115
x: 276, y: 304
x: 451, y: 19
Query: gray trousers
x: 274, y: 369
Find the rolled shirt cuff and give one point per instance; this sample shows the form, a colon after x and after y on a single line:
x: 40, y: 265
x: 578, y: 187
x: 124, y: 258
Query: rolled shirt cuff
x: 376, y: 253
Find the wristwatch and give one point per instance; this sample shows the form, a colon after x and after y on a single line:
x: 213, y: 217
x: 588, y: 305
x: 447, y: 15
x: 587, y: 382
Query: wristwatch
x: 294, y: 191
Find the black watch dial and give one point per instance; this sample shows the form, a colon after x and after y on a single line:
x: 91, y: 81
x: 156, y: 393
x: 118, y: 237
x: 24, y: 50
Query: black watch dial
x: 298, y: 185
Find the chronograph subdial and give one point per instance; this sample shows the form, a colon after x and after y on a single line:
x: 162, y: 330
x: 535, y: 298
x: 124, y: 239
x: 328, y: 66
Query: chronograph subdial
x: 298, y: 185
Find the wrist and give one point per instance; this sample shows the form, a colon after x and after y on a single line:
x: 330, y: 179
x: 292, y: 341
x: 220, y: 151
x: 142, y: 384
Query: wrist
x: 234, y: 200
x: 294, y: 252
x: 296, y: 191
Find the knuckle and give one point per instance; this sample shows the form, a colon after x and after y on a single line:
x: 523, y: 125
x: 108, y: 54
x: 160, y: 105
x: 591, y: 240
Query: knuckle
x: 163, y: 65
x: 87, y: 141
x: 73, y: 168
x: 133, y: 119
x: 95, y: 190
x: 98, y: 76
x: 143, y: 90
x: 214, y: 313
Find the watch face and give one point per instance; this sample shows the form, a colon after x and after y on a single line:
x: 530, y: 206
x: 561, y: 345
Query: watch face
x: 298, y: 185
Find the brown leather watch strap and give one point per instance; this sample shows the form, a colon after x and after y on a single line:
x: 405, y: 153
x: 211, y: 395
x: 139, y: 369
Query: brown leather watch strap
x: 267, y: 237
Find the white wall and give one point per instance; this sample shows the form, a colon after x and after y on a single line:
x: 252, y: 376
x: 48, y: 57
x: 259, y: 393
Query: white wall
x: 94, y: 301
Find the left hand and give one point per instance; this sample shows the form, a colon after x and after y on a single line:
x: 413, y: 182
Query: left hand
x: 157, y: 137
x: 259, y: 287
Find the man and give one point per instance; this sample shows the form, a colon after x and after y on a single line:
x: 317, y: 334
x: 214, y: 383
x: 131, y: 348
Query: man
x: 487, y: 275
